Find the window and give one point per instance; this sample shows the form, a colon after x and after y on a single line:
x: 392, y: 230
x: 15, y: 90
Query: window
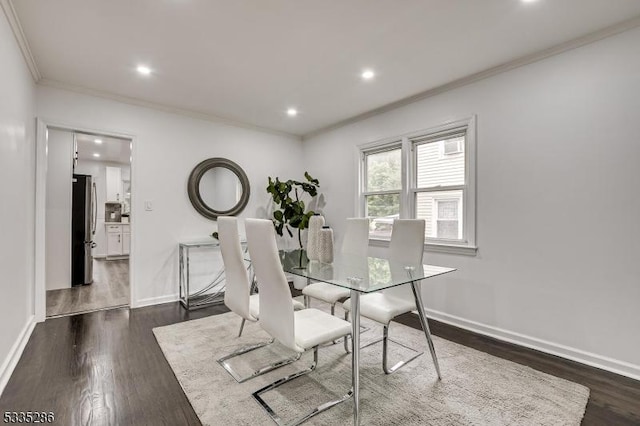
x: 428, y: 175
x: 447, y: 219
x: 382, y: 189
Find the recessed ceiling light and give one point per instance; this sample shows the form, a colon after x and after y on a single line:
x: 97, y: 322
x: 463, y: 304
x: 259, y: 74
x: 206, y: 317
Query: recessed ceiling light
x: 95, y: 154
x: 292, y: 112
x: 367, y: 74
x: 98, y: 141
x: 144, y: 70
x: 529, y: 1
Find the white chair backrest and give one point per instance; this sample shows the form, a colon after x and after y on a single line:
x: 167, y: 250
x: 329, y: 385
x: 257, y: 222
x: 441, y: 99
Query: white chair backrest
x: 356, y: 236
x: 407, y: 245
x: 237, y: 287
x: 276, y: 306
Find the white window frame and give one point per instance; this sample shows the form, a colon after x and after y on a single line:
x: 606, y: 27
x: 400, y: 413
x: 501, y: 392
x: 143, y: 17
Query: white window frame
x: 468, y: 244
x: 376, y: 149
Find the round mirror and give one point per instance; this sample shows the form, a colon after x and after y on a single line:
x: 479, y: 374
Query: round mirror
x: 218, y: 187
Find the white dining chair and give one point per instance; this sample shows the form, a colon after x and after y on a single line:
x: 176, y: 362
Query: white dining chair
x: 296, y: 330
x: 237, y: 295
x: 355, y: 241
x: 407, y: 245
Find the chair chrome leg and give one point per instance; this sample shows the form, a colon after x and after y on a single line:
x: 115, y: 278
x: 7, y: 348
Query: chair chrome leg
x: 241, y: 327
x: 346, y: 338
x: 425, y: 325
x: 224, y: 362
x: 333, y: 312
x: 385, y: 345
x: 257, y: 395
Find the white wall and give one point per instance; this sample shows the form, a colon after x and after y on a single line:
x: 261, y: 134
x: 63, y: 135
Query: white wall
x: 557, y: 201
x: 58, y: 213
x: 17, y: 170
x: 98, y: 172
x: 165, y: 150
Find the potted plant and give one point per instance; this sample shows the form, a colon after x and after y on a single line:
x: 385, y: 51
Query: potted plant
x: 290, y: 210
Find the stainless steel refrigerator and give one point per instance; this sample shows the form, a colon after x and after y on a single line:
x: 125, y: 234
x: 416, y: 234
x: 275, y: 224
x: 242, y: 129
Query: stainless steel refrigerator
x: 83, y: 228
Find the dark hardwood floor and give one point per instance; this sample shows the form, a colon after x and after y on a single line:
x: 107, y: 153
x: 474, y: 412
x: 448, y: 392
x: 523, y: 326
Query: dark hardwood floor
x: 105, y: 368
x: 110, y: 289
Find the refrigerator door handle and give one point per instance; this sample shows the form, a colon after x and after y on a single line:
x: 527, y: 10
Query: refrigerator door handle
x: 94, y: 212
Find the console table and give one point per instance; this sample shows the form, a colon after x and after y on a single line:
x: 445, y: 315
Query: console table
x: 202, y: 279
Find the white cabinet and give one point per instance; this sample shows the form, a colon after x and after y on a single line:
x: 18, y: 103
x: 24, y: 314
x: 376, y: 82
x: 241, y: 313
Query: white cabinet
x: 126, y: 243
x: 114, y: 184
x: 118, y: 239
x: 114, y: 244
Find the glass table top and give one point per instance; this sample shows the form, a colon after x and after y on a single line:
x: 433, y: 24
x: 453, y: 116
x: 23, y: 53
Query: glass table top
x: 205, y: 242
x: 363, y: 274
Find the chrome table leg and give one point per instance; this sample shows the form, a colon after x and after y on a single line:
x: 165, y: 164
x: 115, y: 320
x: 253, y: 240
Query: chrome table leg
x: 425, y: 325
x: 355, y: 354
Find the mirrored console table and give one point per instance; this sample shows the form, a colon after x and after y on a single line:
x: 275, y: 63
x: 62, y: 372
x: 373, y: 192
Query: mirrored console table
x: 202, y: 279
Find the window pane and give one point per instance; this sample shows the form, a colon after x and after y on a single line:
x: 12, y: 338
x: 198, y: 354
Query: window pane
x: 452, y: 146
x: 383, y: 171
x: 442, y: 212
x: 448, y: 209
x: 440, y: 163
x: 383, y: 209
x: 447, y: 229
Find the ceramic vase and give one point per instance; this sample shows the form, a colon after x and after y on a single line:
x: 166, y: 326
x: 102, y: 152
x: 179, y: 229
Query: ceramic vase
x: 316, y: 222
x: 326, y: 245
x: 299, y: 282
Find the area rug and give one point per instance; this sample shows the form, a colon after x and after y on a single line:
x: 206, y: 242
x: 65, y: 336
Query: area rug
x: 476, y: 388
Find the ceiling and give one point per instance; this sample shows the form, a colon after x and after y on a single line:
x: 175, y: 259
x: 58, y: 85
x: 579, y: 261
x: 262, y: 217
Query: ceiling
x: 113, y: 150
x: 250, y: 60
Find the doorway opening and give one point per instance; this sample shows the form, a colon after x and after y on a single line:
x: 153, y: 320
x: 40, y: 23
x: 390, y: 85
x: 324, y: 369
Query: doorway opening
x: 87, y: 222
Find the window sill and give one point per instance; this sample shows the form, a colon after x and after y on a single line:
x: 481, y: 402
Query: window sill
x: 433, y: 248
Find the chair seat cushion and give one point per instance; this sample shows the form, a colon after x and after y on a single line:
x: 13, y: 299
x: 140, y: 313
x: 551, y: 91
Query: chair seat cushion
x: 326, y: 292
x: 254, y: 306
x: 381, y: 307
x: 314, y: 327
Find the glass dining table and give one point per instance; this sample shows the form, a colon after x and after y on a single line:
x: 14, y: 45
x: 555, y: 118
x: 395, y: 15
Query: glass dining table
x: 362, y: 275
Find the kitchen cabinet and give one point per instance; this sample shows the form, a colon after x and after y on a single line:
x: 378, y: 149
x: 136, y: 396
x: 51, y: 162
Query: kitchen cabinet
x: 118, y: 239
x: 114, y: 184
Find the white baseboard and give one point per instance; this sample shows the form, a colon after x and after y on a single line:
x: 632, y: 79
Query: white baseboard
x: 9, y: 364
x: 156, y: 300
x: 605, y: 363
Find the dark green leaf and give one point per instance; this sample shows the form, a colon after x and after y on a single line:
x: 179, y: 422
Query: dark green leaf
x: 310, y: 179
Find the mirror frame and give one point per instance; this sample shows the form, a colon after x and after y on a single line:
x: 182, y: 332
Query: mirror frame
x: 193, y: 187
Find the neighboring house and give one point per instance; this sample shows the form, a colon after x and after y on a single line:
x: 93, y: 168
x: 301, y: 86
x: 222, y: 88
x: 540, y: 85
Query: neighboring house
x: 441, y: 164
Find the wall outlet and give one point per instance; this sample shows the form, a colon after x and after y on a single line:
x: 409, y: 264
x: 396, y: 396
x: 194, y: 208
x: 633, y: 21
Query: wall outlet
x: 148, y: 205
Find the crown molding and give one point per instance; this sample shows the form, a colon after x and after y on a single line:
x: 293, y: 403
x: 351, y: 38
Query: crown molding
x: 490, y: 72
x: 14, y: 23
x: 162, y: 107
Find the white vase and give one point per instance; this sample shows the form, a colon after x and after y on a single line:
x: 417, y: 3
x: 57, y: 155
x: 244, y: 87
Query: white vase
x: 313, y: 237
x: 299, y: 282
x: 326, y: 245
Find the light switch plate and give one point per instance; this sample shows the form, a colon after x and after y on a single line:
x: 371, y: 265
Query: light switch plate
x: 148, y: 205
